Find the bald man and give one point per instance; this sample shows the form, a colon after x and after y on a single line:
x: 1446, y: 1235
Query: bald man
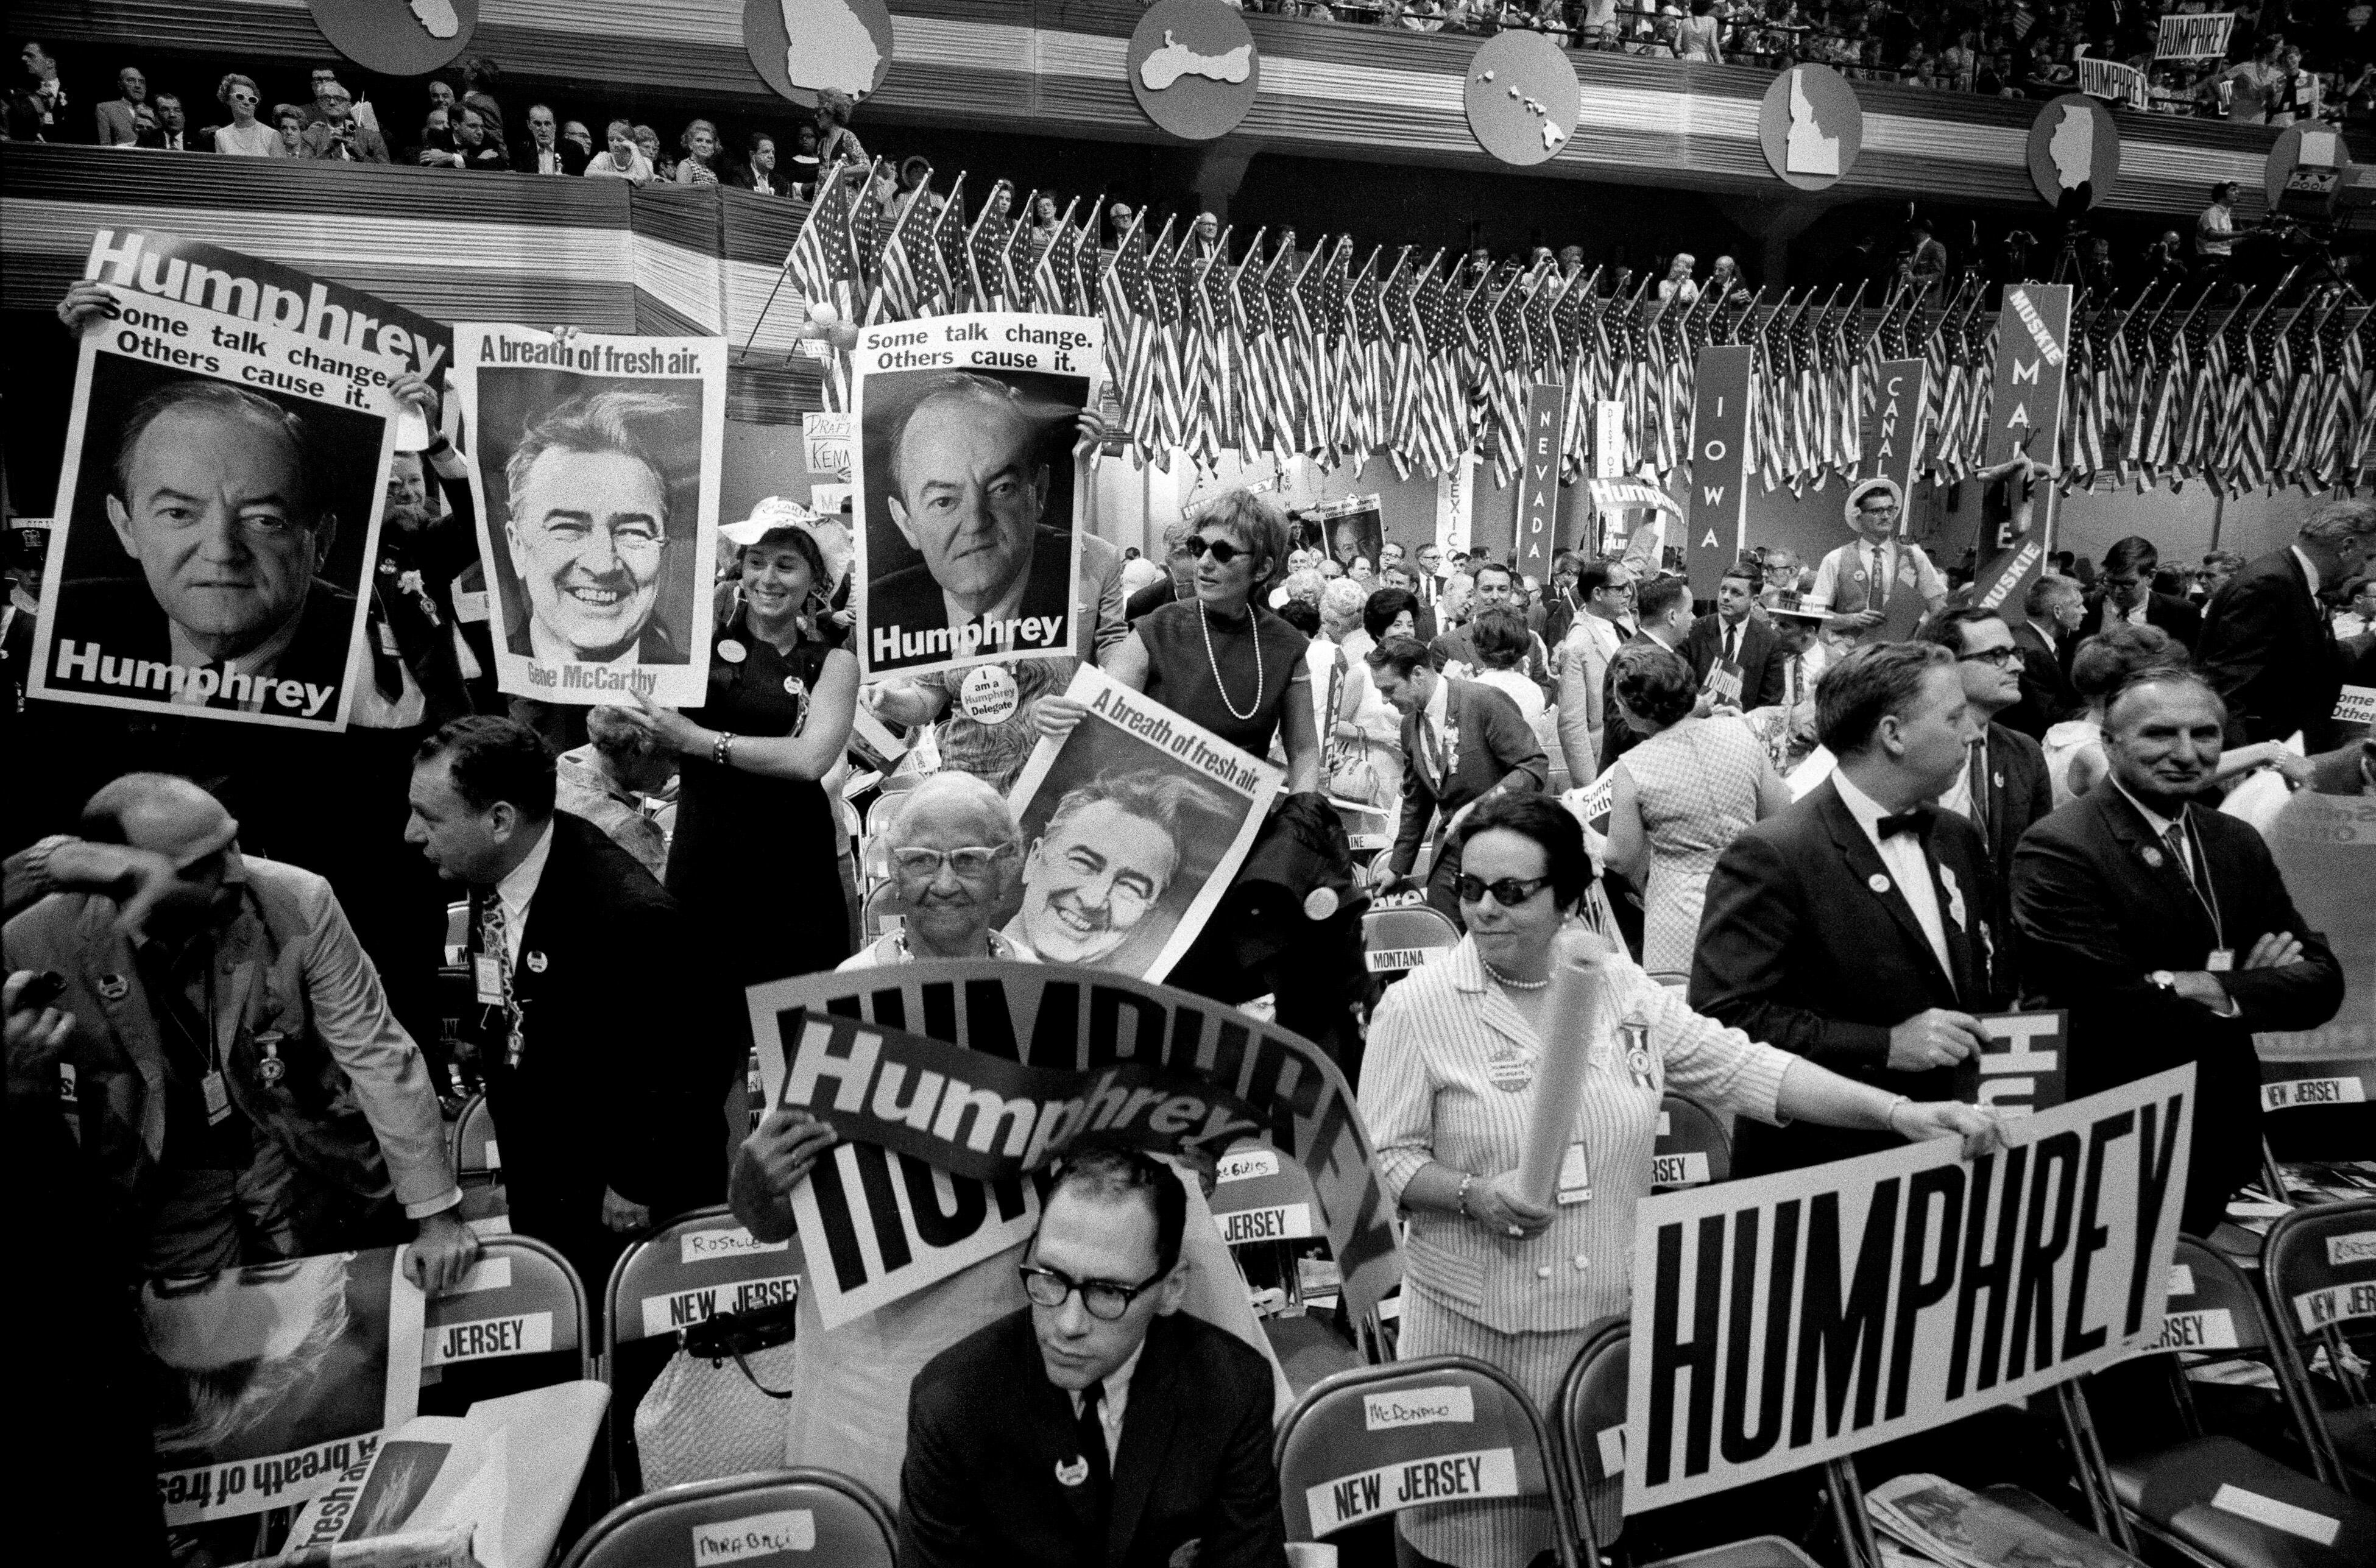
x: 245, y: 1089
x: 954, y: 852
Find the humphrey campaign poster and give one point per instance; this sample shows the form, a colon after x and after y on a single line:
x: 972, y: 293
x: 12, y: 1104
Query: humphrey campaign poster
x: 1133, y: 826
x: 954, y: 1084
x: 225, y: 461
x: 594, y: 461
x: 968, y: 539
x: 268, y: 1381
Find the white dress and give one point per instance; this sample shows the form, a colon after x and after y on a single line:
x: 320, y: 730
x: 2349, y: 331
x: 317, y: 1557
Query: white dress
x: 2065, y: 742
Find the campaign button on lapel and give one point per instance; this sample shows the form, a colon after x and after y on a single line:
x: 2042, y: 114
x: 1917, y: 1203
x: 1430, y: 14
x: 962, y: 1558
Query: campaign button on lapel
x: 1878, y: 883
x: 536, y: 963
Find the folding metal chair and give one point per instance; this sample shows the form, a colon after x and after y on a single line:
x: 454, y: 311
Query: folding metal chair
x: 1371, y: 1442
x: 2213, y: 1499
x: 2318, y: 1275
x: 521, y: 1299
x: 1694, y: 1146
x: 798, y: 1516
x: 1397, y: 941
x: 694, y: 1266
x: 476, y: 1160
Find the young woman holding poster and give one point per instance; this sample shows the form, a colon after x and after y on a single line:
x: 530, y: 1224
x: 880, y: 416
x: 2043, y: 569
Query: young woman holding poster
x: 1456, y: 1055
x: 754, y: 843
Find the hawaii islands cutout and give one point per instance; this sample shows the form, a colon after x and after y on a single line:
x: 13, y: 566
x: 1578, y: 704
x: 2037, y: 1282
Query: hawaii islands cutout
x: 1552, y: 135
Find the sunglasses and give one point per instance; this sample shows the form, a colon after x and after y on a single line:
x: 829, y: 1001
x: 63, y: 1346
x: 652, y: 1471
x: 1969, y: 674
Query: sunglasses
x: 1221, y: 550
x: 244, y: 98
x: 1510, y: 892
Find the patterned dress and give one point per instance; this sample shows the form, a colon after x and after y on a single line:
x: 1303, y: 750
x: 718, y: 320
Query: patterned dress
x: 1696, y: 787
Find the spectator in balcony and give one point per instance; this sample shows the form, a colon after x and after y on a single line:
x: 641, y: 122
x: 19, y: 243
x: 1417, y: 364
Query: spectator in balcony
x: 245, y: 137
x: 1724, y: 282
x: 758, y: 170
x: 835, y: 138
x: 118, y: 118
x: 1699, y: 34
x: 287, y: 130
x: 1927, y: 266
x: 647, y: 142
x: 700, y: 164
x: 622, y: 160
x: 324, y: 82
x: 172, y: 125
x: 35, y: 105
x: 1959, y: 62
x: 342, y: 137
x: 437, y: 147
x: 801, y: 169
x: 1677, y: 284
x: 477, y: 144
x: 442, y: 95
x: 2214, y: 229
x: 1043, y: 221
x: 2256, y: 85
x: 2295, y: 92
x: 545, y: 151
x: 575, y: 134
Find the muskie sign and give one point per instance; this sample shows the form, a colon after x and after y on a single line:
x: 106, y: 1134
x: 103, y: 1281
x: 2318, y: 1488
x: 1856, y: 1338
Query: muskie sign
x: 952, y: 1083
x: 1783, y: 1322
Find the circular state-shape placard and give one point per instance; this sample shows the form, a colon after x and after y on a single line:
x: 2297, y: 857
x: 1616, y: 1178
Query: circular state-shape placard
x: 2308, y: 146
x: 804, y: 47
x: 398, y: 38
x: 1521, y: 97
x: 2073, y: 144
x: 1811, y: 127
x: 1194, y: 67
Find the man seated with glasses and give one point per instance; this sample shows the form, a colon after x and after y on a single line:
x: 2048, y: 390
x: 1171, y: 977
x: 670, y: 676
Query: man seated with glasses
x: 953, y: 852
x: 1101, y: 1423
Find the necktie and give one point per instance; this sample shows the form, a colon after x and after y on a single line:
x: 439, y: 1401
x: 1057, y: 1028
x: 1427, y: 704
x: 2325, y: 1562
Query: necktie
x: 494, y: 941
x: 1878, y: 598
x: 1092, y: 1434
x: 1731, y: 645
x: 1979, y: 776
x: 2175, y: 838
x: 1794, y: 682
x: 1435, y: 757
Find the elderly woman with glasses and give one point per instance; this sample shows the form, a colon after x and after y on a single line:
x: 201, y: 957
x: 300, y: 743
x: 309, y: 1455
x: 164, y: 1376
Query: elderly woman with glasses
x: 1514, y: 1277
x: 954, y: 850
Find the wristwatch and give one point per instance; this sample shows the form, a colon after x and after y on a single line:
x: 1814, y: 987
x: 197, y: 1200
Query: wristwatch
x: 2164, y: 979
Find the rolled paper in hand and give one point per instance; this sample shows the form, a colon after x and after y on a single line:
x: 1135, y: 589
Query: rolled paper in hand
x: 1574, y: 1016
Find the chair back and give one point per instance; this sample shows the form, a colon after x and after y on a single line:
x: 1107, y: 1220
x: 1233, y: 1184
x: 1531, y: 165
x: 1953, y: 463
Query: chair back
x: 1396, y: 940
x: 458, y: 930
x: 1694, y: 1148
x: 1589, y: 1427
x: 803, y: 1516
x: 478, y: 1159
x: 1261, y: 1194
x: 520, y: 1299
x: 1373, y: 1440
x: 2211, y: 1304
x: 694, y: 1266
x: 2318, y: 1272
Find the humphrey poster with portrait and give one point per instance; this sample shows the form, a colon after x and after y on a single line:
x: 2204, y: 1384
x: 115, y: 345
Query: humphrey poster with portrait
x: 1133, y: 824
x: 968, y: 520
x: 266, y: 1381
x: 226, y: 462
x: 594, y: 460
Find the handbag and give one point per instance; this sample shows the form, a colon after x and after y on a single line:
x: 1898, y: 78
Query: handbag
x: 701, y: 1418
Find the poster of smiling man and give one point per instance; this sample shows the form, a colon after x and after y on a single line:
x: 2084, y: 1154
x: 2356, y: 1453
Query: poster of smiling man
x: 594, y: 462
x: 225, y: 465
x: 1133, y: 826
x: 969, y: 542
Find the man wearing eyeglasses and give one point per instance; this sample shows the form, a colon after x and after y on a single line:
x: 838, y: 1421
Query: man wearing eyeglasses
x: 1877, y: 586
x: 2004, y: 786
x: 1101, y: 1423
x: 588, y: 530
x: 953, y: 854
x: 1463, y: 743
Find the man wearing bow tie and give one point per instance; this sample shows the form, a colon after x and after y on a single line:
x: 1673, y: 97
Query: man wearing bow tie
x: 1854, y: 928
x: 2167, y: 930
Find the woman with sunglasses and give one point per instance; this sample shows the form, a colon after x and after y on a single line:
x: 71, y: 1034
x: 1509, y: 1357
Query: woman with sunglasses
x: 1447, y: 1088
x: 247, y: 136
x: 754, y: 860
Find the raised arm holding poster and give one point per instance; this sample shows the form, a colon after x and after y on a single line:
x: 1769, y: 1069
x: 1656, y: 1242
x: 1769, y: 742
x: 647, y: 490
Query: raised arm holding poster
x: 594, y: 461
x: 225, y: 468
x: 968, y: 535
x: 268, y: 1381
x: 1133, y: 823
x: 1826, y: 1310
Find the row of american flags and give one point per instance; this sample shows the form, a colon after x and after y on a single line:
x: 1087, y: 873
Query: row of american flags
x: 1338, y: 356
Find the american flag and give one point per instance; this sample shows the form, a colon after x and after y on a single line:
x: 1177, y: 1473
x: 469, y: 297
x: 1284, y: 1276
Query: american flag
x: 899, y: 291
x: 826, y: 265
x: 1168, y: 379
x: 1015, y: 259
x: 1250, y: 329
x: 1366, y: 356
x: 1440, y: 429
x: 986, y: 251
x: 1051, y: 272
x: 1401, y: 363
x: 1218, y: 423
x: 1087, y: 260
x: 1295, y: 345
x: 1509, y: 351
x: 949, y: 282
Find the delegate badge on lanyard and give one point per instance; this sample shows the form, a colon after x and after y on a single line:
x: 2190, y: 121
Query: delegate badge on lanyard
x: 1574, y: 1178
x: 487, y: 972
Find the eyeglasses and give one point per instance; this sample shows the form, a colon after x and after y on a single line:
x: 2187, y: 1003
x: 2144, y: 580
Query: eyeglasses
x: 970, y: 861
x: 1106, y: 1300
x: 2000, y: 657
x: 1221, y: 550
x: 1510, y: 892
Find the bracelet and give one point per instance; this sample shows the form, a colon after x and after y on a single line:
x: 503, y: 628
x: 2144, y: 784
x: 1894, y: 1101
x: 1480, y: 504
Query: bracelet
x: 438, y: 447
x: 1889, y: 1116
x: 721, y: 751
x: 1460, y: 1199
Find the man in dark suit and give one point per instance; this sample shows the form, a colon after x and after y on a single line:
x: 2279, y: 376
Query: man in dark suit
x: 2004, y: 786
x: 1852, y: 928
x: 2125, y: 592
x: 544, y: 151
x: 216, y: 496
x: 2047, y: 632
x: 1178, y: 583
x: 2167, y: 931
x: 1738, y: 641
x: 603, y: 1071
x: 1662, y: 607
x: 967, y: 482
x: 2268, y: 647
x: 1453, y: 652
x: 1462, y: 742
x: 1099, y: 1424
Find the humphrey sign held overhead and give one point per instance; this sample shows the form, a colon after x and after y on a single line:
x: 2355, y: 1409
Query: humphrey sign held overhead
x: 968, y: 529
x: 1791, y: 1320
